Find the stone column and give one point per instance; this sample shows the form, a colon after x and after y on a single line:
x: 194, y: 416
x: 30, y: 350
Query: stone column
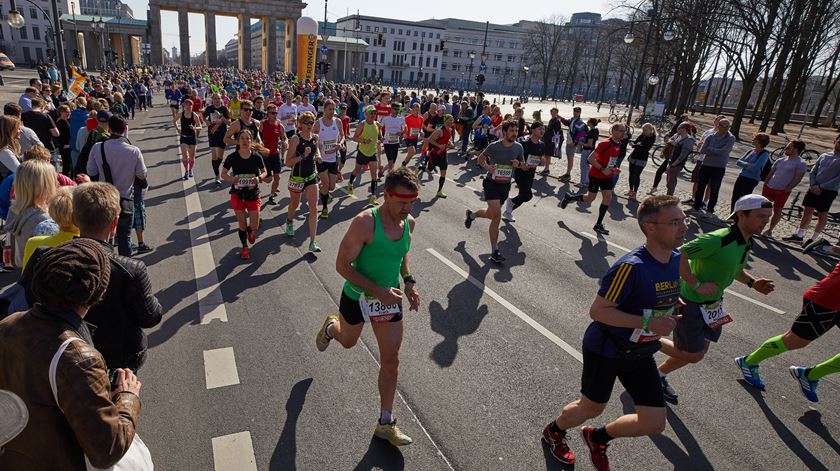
x: 245, y: 41
x: 289, y: 59
x: 156, y: 40
x: 270, y: 50
x: 127, y: 54
x: 184, y: 30
x: 210, y: 39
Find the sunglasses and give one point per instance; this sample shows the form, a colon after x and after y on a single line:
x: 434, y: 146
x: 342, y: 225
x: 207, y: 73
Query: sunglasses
x: 272, y: 112
x: 308, y: 123
x: 245, y: 109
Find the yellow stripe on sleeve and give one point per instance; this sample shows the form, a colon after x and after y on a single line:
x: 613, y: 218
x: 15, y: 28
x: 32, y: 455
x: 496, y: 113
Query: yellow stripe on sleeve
x: 618, y: 282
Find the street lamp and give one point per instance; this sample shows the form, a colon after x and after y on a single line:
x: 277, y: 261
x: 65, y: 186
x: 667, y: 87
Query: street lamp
x: 525, y: 69
x: 629, y: 37
x: 15, y: 19
x: 653, y: 80
x: 98, y: 26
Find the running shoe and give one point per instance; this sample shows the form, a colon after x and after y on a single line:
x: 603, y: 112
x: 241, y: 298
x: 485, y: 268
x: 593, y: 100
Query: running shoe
x: 653, y: 191
x: 314, y: 247
x: 245, y: 254
x: 143, y: 248
x: 793, y: 238
x: 191, y: 174
x: 508, y: 217
x: 468, y: 219
x: 186, y: 177
x: 750, y: 373
x: 497, y: 257
x: 814, y: 245
x: 557, y: 443
x: 689, y: 202
x: 321, y: 339
x: 667, y: 390
x: 271, y: 200
x: 600, y: 229
x: 582, y: 185
x: 373, y: 201
x: 392, y: 434
x: 218, y: 182
x: 440, y: 194
x: 252, y: 236
x: 566, y: 199
x: 565, y: 178
x: 545, y: 172
x: 597, y: 451
x: 350, y: 188
x: 808, y: 387
x: 324, y: 213
x: 290, y: 229
x: 330, y: 199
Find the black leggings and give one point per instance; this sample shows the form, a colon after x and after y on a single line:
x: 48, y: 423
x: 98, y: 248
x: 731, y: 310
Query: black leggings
x: 635, y: 176
x: 524, y: 181
x: 743, y: 186
x: 708, y: 176
x: 663, y: 167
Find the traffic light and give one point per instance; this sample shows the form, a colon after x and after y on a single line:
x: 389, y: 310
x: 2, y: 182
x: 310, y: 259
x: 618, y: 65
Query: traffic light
x: 76, y: 54
x: 442, y: 44
x: 327, y: 66
x: 318, y: 66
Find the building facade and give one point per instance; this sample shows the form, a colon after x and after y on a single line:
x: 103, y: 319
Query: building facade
x: 114, y: 8
x: 31, y: 43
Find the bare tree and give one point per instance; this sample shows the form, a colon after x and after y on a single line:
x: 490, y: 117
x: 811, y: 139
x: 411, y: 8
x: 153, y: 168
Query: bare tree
x: 543, y: 47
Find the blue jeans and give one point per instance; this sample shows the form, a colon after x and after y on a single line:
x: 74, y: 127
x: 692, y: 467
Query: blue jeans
x: 124, y: 225
x: 465, y: 137
x: 584, y: 166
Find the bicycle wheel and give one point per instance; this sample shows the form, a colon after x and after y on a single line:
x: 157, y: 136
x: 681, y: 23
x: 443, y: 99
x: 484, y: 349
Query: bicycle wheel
x: 690, y: 161
x: 810, y: 157
x: 780, y: 152
x: 613, y: 118
x: 655, y: 155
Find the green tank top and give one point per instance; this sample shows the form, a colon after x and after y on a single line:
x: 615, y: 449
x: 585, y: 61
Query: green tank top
x: 381, y: 260
x: 370, y: 131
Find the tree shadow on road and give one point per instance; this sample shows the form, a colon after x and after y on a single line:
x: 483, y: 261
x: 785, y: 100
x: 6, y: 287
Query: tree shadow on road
x: 285, y: 453
x: 380, y: 455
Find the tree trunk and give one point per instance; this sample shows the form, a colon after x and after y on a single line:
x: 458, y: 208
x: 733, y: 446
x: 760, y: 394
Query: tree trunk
x: 711, y: 82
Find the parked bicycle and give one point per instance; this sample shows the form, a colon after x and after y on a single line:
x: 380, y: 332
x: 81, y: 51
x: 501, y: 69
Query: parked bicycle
x: 809, y: 156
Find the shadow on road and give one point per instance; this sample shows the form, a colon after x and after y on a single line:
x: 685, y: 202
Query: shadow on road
x: 813, y: 420
x: 380, y: 455
x: 285, y: 453
x: 593, y: 257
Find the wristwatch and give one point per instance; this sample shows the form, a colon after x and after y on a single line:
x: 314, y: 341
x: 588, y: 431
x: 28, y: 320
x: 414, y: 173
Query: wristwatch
x: 409, y: 279
x: 750, y: 282
x: 646, y: 320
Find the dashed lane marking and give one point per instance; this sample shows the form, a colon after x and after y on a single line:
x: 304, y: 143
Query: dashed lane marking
x: 234, y: 452
x: 220, y: 368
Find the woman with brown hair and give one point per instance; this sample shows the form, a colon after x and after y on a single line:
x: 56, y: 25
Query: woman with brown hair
x: 9, y: 145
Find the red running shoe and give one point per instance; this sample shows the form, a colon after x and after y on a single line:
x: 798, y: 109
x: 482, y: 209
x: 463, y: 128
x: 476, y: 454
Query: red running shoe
x: 245, y: 254
x: 597, y: 452
x: 559, y: 447
x: 252, y: 236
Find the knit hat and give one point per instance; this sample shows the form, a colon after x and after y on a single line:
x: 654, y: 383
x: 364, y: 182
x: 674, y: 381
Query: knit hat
x: 75, y: 273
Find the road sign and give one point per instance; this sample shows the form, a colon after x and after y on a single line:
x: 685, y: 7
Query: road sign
x: 323, y: 49
x: 482, y: 66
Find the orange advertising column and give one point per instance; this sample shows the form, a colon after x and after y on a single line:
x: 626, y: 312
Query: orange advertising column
x: 307, y: 48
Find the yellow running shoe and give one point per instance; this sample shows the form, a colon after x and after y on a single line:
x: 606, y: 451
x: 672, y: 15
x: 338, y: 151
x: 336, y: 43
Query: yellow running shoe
x: 373, y: 201
x: 350, y: 189
x: 321, y: 340
x: 392, y: 433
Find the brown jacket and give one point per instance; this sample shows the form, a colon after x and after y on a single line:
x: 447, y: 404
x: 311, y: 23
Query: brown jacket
x: 94, y: 422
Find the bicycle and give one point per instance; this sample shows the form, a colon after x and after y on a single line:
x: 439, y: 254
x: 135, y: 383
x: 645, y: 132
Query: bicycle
x: 808, y: 156
x: 617, y: 118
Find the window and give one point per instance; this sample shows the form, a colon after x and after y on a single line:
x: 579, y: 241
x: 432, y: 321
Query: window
x: 436, y: 48
x: 33, y: 13
x: 27, y: 56
x: 392, y: 30
x: 382, y: 43
x: 367, y: 59
x: 495, y: 70
x: 428, y: 61
x: 428, y: 48
x: 413, y: 60
x: 376, y: 29
x: 36, y: 34
x: 411, y: 76
x: 510, y: 58
x: 497, y: 57
x: 415, y: 34
x: 367, y: 28
x: 23, y: 35
x: 512, y: 45
x: 39, y: 53
x: 423, y: 34
x: 434, y: 64
x: 434, y: 77
x: 438, y: 36
x: 400, y: 32
x: 500, y: 43
x: 455, y: 67
x: 445, y: 53
x: 443, y: 65
x: 414, y: 46
x: 382, y: 58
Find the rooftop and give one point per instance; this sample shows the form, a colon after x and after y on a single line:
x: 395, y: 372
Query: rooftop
x: 69, y: 18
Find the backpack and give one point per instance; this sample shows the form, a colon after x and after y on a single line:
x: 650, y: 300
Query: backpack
x: 765, y: 171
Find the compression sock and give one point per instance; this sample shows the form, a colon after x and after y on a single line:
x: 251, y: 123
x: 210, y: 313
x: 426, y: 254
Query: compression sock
x: 827, y: 367
x: 324, y: 199
x: 602, y: 210
x: 373, y: 187
x: 243, y: 237
x: 815, y: 235
x: 385, y: 417
x: 800, y: 232
x: 555, y: 429
x: 600, y: 436
x: 216, y: 163
x: 440, y: 183
x: 576, y: 197
x: 770, y: 348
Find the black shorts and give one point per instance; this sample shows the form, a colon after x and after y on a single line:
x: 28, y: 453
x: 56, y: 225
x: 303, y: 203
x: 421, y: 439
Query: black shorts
x: 495, y: 190
x: 391, y: 151
x: 342, y: 154
x: 412, y: 142
x: 696, y: 172
x: 639, y: 377
x: 597, y: 184
x: 331, y: 167
x: 352, y: 312
x: 273, y: 165
x: 362, y: 159
x: 821, y: 203
x: 691, y: 332
x: 549, y: 148
x: 189, y: 140
x: 438, y: 161
x: 217, y: 140
x: 480, y: 143
x: 814, y: 320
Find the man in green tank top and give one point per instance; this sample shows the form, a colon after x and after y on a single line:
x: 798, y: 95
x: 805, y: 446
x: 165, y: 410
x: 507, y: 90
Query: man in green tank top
x: 370, y: 149
x: 372, y: 258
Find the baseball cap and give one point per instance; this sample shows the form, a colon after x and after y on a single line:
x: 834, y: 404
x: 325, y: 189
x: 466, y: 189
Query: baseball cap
x: 748, y: 202
x: 13, y: 416
x: 103, y: 115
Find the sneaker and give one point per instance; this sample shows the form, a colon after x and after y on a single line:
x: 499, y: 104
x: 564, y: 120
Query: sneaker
x: 271, y: 200
x: 653, y: 191
x: 808, y: 387
x: 350, y: 189
x: 330, y: 199
x: 667, y: 390
x: 218, y: 182
x: 133, y: 246
x: 252, y: 236
x: 600, y: 229
x: 597, y: 452
x: 689, y: 202
x: 565, y: 178
x: 507, y: 216
x: 440, y: 194
x: 245, y: 254
x: 373, y: 201
x: 313, y: 246
x: 392, y: 434
x: 186, y: 177
x: 750, y: 373
x: 325, y: 213
x: 793, y: 238
x: 545, y: 172
x: 143, y: 248
x: 468, y: 219
x: 321, y: 339
x: 497, y: 257
x: 191, y: 174
x: 814, y: 245
x: 290, y: 229
x: 566, y: 199
x: 557, y: 443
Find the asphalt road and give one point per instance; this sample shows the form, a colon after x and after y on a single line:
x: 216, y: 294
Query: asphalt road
x: 233, y: 380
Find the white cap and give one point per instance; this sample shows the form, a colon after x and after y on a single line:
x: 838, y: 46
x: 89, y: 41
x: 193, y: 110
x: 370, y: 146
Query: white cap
x: 13, y: 416
x: 748, y: 202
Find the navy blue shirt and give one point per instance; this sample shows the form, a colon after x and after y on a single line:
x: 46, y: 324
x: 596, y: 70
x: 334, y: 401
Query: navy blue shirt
x: 636, y: 282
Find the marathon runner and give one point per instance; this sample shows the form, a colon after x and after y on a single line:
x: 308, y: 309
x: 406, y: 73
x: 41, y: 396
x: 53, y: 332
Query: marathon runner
x: 243, y: 122
x: 430, y: 124
x: 188, y: 125
x: 372, y: 257
x: 330, y: 139
x: 302, y: 156
x: 553, y: 139
x: 481, y: 130
x: 393, y: 130
x: 273, y: 136
x: 634, y: 306
x: 438, y: 144
x: 413, y: 125
x: 218, y: 117
x: 534, y: 149
x: 173, y: 97
x: 499, y: 160
x: 243, y: 169
x: 235, y: 105
x: 288, y: 114
x: 577, y: 132
x: 820, y: 312
x: 369, y: 151
x: 603, y: 166
x: 345, y: 129
x: 709, y: 264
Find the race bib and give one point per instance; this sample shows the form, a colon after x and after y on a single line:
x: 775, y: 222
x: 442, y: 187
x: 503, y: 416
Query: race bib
x: 215, y: 117
x: 503, y: 173
x: 173, y: 102
x: 613, y: 162
x: 413, y: 132
x: 392, y: 138
x: 644, y: 336
x: 714, y: 315
x: 290, y: 120
x: 374, y: 311
x: 244, y: 182
x: 296, y: 184
x: 534, y: 161
x: 329, y: 146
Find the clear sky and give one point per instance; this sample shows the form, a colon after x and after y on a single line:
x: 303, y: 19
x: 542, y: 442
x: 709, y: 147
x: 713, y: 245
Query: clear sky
x: 495, y: 11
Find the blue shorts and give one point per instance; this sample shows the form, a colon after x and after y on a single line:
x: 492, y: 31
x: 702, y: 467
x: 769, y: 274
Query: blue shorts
x: 140, y: 215
x: 691, y: 332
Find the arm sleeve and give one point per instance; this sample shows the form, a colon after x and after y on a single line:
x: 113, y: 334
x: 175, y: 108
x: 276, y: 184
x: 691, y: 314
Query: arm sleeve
x: 9, y: 160
x: 812, y: 176
x: 140, y: 166
x: 701, y: 247
x: 92, y: 168
x: 617, y: 284
x: 146, y: 309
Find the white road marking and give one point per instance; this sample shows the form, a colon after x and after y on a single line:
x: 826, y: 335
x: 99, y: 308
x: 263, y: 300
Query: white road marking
x: 135, y: 132
x: 234, y: 452
x: 733, y: 293
x: 220, y: 368
x: 510, y: 307
x: 211, y: 306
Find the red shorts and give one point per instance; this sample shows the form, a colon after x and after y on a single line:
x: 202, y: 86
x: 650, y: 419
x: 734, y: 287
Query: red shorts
x: 778, y: 197
x: 238, y: 204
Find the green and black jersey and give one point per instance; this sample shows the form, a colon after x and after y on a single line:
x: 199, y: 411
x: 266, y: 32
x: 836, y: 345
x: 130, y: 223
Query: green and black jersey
x: 716, y: 257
